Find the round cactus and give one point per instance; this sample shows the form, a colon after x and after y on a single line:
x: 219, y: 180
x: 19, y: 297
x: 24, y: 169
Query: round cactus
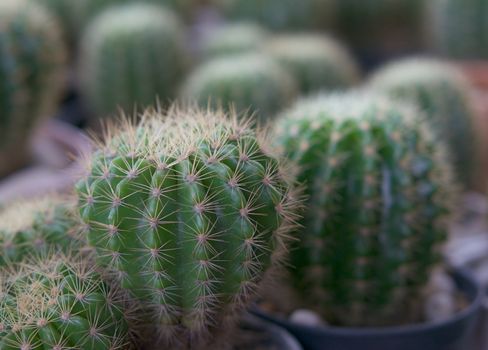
x: 379, y: 197
x: 60, y: 302
x: 249, y: 82
x: 190, y: 211
x: 37, y: 227
x: 317, y: 62
x: 234, y: 38
x: 444, y: 94
x: 31, y: 76
x: 131, y: 56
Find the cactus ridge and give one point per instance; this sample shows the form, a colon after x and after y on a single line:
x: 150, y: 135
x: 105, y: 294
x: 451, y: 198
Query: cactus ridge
x: 189, y: 210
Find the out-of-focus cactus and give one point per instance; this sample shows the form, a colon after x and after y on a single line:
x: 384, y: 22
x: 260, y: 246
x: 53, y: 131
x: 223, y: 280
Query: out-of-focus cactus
x: 316, y: 62
x: 379, y: 200
x: 190, y: 211
x: 131, y: 56
x: 31, y: 76
x: 444, y: 95
x: 249, y: 82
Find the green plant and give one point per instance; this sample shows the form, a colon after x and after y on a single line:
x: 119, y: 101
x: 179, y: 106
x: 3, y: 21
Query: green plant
x: 444, y: 95
x: 248, y: 82
x: 190, y: 211
x: 457, y: 28
x: 379, y: 196
x: 31, y: 76
x: 317, y: 62
x: 131, y: 56
x: 234, y: 38
x: 60, y: 302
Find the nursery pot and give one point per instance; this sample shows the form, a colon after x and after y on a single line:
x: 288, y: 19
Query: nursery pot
x: 456, y: 333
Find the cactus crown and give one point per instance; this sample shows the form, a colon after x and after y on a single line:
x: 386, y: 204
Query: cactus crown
x: 379, y: 200
x: 190, y: 211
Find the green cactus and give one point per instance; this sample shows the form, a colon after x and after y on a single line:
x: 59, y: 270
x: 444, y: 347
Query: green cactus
x: 379, y: 200
x: 248, y: 82
x: 317, y: 62
x: 131, y: 56
x: 444, y: 94
x: 31, y: 76
x: 60, y: 302
x: 189, y: 210
x: 36, y: 227
x: 234, y: 38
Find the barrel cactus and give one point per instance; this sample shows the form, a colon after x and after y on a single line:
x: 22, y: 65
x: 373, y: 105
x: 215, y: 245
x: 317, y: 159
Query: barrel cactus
x: 60, y: 302
x: 380, y: 193
x: 131, y: 56
x: 444, y: 94
x: 190, y: 211
x: 248, y: 82
x: 31, y: 76
x: 317, y: 62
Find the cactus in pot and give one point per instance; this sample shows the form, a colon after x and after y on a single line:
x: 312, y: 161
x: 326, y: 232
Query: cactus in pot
x: 443, y: 93
x: 131, y: 56
x: 249, y: 82
x: 31, y: 76
x: 190, y: 211
x: 380, y: 194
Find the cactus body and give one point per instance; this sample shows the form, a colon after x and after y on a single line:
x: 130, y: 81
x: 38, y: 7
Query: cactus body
x: 189, y: 210
x: 31, y: 76
x: 444, y: 95
x: 60, y: 303
x: 379, y: 195
x: 132, y: 55
x: 316, y: 62
x: 249, y: 82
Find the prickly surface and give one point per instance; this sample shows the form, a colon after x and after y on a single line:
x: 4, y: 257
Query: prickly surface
x: 251, y: 83
x: 443, y: 94
x: 316, y: 61
x: 132, y: 56
x: 189, y: 210
x: 379, y: 196
x: 60, y: 302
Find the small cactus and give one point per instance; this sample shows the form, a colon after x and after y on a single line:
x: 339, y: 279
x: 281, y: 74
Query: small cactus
x: 443, y: 94
x: 131, y: 56
x: 379, y: 193
x: 317, y: 62
x: 189, y: 210
x: 31, y: 76
x: 60, y: 302
x: 248, y: 82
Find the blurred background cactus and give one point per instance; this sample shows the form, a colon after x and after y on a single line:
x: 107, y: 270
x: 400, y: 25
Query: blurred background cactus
x: 31, y: 77
x: 379, y: 197
x: 132, y: 56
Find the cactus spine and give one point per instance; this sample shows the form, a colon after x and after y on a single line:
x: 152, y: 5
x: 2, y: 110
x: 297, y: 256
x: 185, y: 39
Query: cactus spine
x: 248, y: 82
x: 444, y: 95
x: 190, y: 211
x: 132, y: 55
x: 379, y: 197
x: 316, y: 62
x: 31, y: 76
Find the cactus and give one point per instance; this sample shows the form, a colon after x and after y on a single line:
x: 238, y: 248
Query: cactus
x: 189, y: 210
x: 444, y: 94
x: 37, y: 227
x: 380, y: 193
x: 31, y: 76
x: 457, y: 28
x: 234, y: 38
x: 60, y: 302
x: 317, y: 62
x: 131, y: 56
x: 249, y: 82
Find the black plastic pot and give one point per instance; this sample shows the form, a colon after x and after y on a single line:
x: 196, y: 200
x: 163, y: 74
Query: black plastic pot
x: 456, y: 333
